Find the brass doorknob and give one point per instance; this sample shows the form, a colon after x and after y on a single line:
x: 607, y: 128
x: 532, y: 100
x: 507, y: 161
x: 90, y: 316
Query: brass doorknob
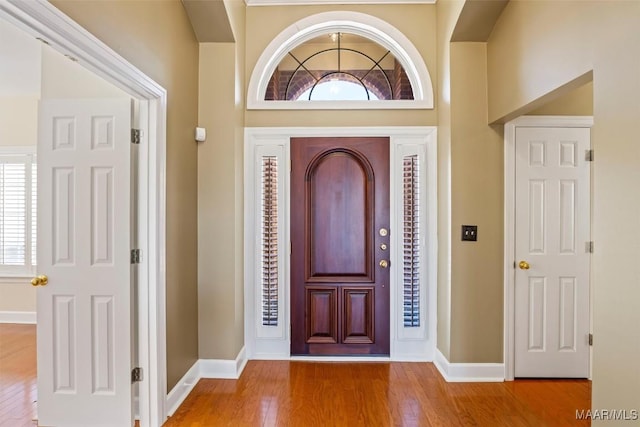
x: 41, y: 280
x: 524, y: 265
x: 384, y: 263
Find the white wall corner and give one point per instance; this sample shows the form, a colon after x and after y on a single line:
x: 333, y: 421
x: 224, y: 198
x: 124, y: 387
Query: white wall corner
x: 468, y: 372
x: 27, y: 317
x: 222, y: 368
x: 181, y: 390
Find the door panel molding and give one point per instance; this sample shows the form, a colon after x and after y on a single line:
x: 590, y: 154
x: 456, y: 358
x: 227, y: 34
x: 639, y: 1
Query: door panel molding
x: 509, y: 215
x: 407, y: 344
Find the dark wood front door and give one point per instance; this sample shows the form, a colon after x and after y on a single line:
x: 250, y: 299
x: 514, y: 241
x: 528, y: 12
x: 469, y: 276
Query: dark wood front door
x: 339, y: 235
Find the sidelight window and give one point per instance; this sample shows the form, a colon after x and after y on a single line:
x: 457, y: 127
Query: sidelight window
x: 269, y: 241
x: 411, y: 241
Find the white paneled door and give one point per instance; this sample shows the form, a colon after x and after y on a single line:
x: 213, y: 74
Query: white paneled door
x: 84, y: 311
x: 552, y: 256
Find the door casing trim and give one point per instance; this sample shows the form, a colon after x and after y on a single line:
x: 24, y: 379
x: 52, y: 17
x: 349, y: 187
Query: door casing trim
x: 278, y: 348
x: 509, y: 219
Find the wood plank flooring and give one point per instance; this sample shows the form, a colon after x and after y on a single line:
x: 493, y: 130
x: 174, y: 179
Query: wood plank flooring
x: 283, y: 393
x: 17, y: 375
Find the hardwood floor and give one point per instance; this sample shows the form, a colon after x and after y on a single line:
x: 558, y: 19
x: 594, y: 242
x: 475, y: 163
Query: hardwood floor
x: 282, y: 393
x: 17, y: 375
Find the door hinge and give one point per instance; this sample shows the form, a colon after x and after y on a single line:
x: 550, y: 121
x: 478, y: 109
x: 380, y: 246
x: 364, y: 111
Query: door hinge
x: 588, y: 247
x: 135, y: 136
x: 588, y: 155
x: 136, y: 256
x: 136, y: 375
x: 590, y: 339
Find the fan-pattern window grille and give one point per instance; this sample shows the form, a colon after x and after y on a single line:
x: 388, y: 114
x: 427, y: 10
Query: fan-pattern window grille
x: 269, y: 241
x: 411, y: 241
x: 18, y: 183
x: 339, y: 67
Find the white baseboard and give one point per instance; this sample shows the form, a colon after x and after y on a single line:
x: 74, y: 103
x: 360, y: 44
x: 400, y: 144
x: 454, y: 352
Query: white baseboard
x: 28, y: 317
x: 468, y: 372
x: 181, y: 390
x: 221, y: 368
x: 204, y: 368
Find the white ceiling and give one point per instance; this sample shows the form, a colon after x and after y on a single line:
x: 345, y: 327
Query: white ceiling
x: 20, y: 61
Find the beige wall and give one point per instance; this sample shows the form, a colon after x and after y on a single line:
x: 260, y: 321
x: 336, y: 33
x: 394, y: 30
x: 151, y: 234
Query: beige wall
x: 63, y: 78
x: 19, y: 121
x: 578, y: 102
x: 476, y: 198
x: 220, y: 193
x: 17, y: 295
x: 534, y: 50
x: 469, y: 192
x: 417, y: 22
x: 447, y: 15
x: 157, y: 37
x: 217, y: 278
x: 237, y: 16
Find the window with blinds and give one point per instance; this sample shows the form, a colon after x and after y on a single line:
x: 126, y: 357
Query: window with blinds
x: 18, y: 178
x: 411, y: 241
x: 269, y: 184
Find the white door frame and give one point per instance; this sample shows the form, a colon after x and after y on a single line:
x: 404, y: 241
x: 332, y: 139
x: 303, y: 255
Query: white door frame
x: 416, y: 345
x: 41, y: 19
x: 509, y: 219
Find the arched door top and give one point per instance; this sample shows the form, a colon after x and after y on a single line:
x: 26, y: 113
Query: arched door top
x: 370, y: 27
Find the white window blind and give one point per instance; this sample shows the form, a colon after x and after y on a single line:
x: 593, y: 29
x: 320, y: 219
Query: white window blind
x: 18, y: 178
x: 411, y: 241
x: 269, y: 241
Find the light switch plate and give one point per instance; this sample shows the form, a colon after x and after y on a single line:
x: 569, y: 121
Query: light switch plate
x: 469, y: 233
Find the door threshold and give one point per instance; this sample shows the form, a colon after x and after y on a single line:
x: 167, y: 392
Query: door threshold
x: 316, y: 358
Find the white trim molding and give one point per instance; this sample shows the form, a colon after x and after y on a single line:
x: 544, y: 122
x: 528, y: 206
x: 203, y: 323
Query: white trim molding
x: 509, y: 219
x: 25, y: 317
x: 468, y: 372
x: 183, y: 387
x: 414, y: 345
x: 361, y: 24
x: 226, y: 369
x: 204, y: 368
x: 322, y: 2
x: 43, y: 20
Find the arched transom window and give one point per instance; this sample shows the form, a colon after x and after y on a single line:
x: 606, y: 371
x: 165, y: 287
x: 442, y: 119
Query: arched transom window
x: 338, y: 60
x: 339, y: 67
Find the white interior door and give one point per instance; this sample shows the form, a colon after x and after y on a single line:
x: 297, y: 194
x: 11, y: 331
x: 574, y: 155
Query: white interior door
x: 84, y: 312
x: 552, y: 272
